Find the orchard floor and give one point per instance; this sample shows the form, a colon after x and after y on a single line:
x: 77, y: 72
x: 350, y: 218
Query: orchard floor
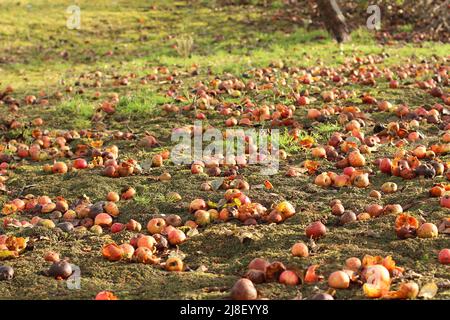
x: 131, y: 39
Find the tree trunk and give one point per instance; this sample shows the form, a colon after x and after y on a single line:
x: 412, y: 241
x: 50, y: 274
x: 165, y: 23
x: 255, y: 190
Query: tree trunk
x: 334, y: 20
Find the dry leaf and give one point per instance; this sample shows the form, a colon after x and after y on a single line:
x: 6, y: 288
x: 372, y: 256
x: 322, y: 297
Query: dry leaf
x: 192, y: 232
x: 216, y: 184
x: 268, y: 185
x: 177, y: 254
x: 428, y: 291
x: 8, y: 254
x: 201, y: 268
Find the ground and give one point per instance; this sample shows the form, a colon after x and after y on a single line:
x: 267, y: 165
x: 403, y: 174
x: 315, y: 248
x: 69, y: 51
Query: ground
x: 38, y: 53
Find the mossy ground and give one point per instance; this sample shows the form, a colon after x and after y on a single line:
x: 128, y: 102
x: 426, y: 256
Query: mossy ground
x: 227, y: 39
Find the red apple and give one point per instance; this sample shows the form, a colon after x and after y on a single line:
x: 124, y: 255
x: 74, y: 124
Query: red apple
x: 385, y: 165
x: 197, y: 204
x: 348, y: 171
x: 258, y: 264
x: 316, y: 230
x: 176, y: 236
x: 445, y: 201
x: 374, y: 210
x: 133, y: 225
x: 289, y: 278
x: 117, y: 227
x: 80, y: 163
x: 444, y: 256
x: 303, y: 101
x: 393, y: 84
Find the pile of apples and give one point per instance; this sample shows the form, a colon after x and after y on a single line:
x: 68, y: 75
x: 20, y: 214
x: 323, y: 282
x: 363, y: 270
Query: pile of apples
x: 149, y: 249
x: 375, y: 273
x: 236, y: 205
x: 79, y: 215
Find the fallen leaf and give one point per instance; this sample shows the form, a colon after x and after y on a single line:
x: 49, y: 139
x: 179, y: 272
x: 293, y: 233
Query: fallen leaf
x: 201, y: 268
x: 216, y: 184
x: 192, y: 232
x: 428, y: 291
x: 8, y: 254
x: 268, y: 185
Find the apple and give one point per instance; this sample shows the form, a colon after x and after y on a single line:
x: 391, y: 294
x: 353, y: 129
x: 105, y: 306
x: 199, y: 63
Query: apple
x: 51, y: 256
x: 258, y: 264
x: 385, y: 165
x: 445, y: 200
x: 128, y: 250
x: 393, y: 84
x: 384, y: 106
x: 316, y: 230
x: 361, y: 180
x: 348, y: 171
x: 80, y: 163
x: 157, y: 160
x: 337, y: 209
x: 375, y: 194
x: 356, y: 159
x: 299, y: 249
x: 133, y: 225
x: 322, y: 296
x: 202, y: 217
x: 145, y: 255
x: 393, y: 209
x: 444, y: 256
x: 146, y: 241
x: 103, y: 219
x: 59, y: 167
x: 389, y: 187
x: 176, y: 236
x: 174, y: 264
x: 196, y: 169
x: 347, y: 217
x: 303, y: 101
x: 289, y: 278
x: 427, y: 230
x: 341, y: 181
x: 105, y: 295
x: 117, y: 227
x: 197, y: 204
x: 318, y: 152
x: 339, y: 280
x: 112, y: 252
x: 174, y: 220
x: 256, y: 276
x: 323, y: 180
x: 244, y: 289
x: 374, y: 210
x: 353, y: 263
x: 156, y: 225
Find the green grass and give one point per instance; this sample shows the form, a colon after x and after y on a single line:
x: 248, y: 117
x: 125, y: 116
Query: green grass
x: 77, y: 107
x: 326, y: 129
x: 139, y: 36
x: 142, y: 103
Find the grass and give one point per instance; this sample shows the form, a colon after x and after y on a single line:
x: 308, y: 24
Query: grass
x: 138, y: 35
x: 77, y: 109
x: 327, y: 129
x: 143, y: 103
x: 132, y: 39
x: 288, y: 143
